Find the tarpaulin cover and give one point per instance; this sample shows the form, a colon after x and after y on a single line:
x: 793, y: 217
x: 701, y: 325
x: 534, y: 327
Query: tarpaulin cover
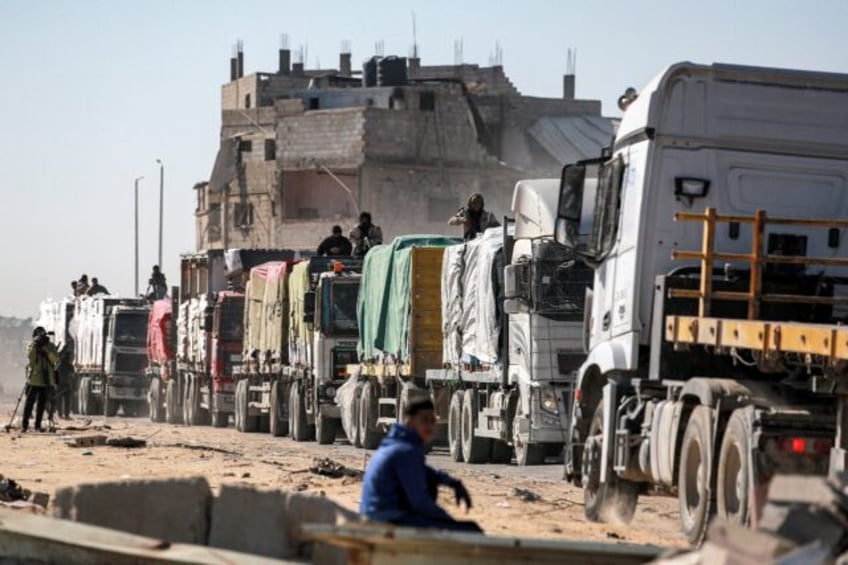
x: 384, y: 297
x: 266, y: 310
x: 89, y: 324
x: 158, y: 348
x: 299, y: 335
x: 470, y: 328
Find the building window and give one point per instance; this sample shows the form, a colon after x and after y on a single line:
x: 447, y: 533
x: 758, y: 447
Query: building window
x: 243, y: 215
x: 427, y: 101
x: 270, y: 149
x: 247, y: 101
x: 314, y: 103
x: 440, y: 209
x: 213, y: 223
x: 245, y: 146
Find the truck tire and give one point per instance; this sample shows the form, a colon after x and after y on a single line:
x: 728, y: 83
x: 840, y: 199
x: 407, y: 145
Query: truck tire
x: 614, y: 499
x: 279, y: 423
x: 110, y: 405
x: 356, y: 440
x: 301, y: 430
x: 326, y: 429
x: 249, y: 424
x: 173, y: 410
x: 475, y: 449
x: 154, y: 398
x: 238, y: 414
x: 734, y: 466
x: 695, y: 482
x: 188, y: 408
x: 82, y: 406
x: 526, y: 453
x: 220, y: 419
x: 369, y: 435
x: 455, y: 426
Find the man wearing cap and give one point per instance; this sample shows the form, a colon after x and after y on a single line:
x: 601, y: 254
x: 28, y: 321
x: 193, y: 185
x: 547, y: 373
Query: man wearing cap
x: 336, y: 244
x: 42, y: 358
x: 400, y: 488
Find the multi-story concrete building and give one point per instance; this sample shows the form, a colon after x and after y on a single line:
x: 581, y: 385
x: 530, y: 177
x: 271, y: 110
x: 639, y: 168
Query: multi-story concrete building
x: 302, y: 150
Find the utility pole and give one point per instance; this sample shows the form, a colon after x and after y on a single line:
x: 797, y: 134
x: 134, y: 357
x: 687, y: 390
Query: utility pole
x: 161, y: 206
x: 136, y: 234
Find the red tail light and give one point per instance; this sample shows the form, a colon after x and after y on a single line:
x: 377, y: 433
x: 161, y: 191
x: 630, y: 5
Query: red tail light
x: 797, y: 445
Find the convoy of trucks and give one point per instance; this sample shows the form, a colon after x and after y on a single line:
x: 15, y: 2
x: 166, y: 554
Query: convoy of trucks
x: 716, y: 356
x: 668, y: 315
x: 107, y: 335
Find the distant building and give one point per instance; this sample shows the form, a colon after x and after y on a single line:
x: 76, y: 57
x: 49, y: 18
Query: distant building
x: 304, y: 149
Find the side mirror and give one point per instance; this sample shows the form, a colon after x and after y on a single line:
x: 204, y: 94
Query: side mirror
x: 570, y: 205
x: 309, y: 306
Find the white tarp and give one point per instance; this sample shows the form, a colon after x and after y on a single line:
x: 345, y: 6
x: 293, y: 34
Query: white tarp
x: 191, y: 336
x: 469, y: 304
x: 88, y: 329
x: 53, y: 317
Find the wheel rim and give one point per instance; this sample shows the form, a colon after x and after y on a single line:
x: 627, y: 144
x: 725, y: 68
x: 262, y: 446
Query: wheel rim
x: 453, y: 425
x: 734, y: 483
x: 466, y: 423
x: 694, y: 479
x: 591, y: 467
x: 518, y: 445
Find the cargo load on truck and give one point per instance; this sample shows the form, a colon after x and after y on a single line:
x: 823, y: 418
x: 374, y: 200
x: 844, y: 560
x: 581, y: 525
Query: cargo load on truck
x: 399, y: 319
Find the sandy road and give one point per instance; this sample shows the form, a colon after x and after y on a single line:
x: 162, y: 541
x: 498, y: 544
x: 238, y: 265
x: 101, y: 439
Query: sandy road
x: 44, y: 462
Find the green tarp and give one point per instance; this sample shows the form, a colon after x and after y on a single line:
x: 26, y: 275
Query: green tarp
x: 384, y: 296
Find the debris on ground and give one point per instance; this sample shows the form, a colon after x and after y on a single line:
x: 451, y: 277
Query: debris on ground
x: 127, y: 442
x: 327, y: 467
x: 200, y: 447
x: 13, y: 495
x: 88, y: 441
x: 526, y: 495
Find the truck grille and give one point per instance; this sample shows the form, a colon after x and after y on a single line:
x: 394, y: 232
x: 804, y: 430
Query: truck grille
x: 130, y: 362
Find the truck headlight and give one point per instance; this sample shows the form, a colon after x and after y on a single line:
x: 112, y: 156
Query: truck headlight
x: 548, y: 400
x: 330, y: 392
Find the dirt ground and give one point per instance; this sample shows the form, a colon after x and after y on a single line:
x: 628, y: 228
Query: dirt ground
x: 552, y: 509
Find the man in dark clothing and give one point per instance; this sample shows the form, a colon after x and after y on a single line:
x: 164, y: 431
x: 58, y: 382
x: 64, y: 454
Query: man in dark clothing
x: 365, y: 235
x: 336, y: 244
x: 400, y: 488
x: 65, y: 379
x: 96, y: 287
x: 82, y: 286
x: 157, y: 287
x: 474, y: 218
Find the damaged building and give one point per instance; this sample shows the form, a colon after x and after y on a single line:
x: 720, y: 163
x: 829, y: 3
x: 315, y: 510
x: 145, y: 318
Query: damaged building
x: 303, y: 149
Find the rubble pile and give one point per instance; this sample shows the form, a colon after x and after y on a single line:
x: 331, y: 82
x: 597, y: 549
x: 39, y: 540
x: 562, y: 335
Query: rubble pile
x: 11, y: 491
x: 805, y: 520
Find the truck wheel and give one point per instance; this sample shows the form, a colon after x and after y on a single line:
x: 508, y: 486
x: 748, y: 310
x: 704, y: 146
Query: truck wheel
x: 455, y: 426
x: 238, y: 407
x: 369, y: 435
x: 189, y: 412
x: 475, y: 449
x: 301, y: 430
x: 614, y: 499
x: 526, y: 453
x: 355, y: 431
x: 220, y: 419
x: 154, y: 398
x: 110, y: 406
x: 279, y: 424
x: 173, y: 414
x: 81, y: 399
x: 734, y: 466
x: 325, y: 429
x: 695, y: 486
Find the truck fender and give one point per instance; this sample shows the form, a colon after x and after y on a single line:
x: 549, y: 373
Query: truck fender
x: 520, y: 378
x: 604, y: 359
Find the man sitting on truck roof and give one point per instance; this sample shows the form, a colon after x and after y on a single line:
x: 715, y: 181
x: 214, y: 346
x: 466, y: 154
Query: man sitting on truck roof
x: 365, y: 235
x: 336, y: 244
x: 400, y: 488
x: 96, y: 288
x: 473, y: 217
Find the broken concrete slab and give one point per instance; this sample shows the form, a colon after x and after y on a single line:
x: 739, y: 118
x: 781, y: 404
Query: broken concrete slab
x: 176, y: 510
x: 87, y: 441
x: 251, y: 520
x: 305, y: 509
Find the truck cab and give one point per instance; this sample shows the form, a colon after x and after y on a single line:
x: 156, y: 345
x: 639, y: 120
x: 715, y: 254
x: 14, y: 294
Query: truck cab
x: 225, y: 355
x: 125, y: 361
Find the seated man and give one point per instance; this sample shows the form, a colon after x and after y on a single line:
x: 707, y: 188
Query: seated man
x: 336, y: 244
x: 400, y: 488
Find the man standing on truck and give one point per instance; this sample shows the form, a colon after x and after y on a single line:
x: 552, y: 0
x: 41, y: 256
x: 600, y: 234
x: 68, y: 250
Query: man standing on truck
x: 41, y: 360
x: 157, y: 287
x: 96, y: 288
x: 336, y: 244
x: 400, y: 488
x: 474, y: 218
x: 365, y: 235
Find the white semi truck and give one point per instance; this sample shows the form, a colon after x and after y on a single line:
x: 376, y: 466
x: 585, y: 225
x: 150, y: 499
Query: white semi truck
x: 717, y: 355
x: 512, y: 319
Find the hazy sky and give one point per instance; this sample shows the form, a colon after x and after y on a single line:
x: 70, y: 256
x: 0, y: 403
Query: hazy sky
x: 92, y: 93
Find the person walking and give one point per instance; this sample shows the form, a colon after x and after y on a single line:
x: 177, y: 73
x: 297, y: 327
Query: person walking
x: 42, y: 358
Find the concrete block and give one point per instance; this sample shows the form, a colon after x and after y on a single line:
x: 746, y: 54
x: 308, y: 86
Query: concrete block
x: 176, y: 510
x: 309, y: 509
x: 250, y: 520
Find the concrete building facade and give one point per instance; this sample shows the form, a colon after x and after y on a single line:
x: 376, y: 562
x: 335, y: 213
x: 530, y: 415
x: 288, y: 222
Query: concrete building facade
x: 301, y: 150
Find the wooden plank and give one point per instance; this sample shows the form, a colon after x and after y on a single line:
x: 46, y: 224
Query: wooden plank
x: 707, y: 248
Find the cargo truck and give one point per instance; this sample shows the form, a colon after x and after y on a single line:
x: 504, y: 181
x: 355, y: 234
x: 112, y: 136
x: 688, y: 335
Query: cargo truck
x: 512, y: 318
x: 322, y: 336
x: 205, y: 337
x: 108, y: 336
x: 717, y: 352
x: 399, y: 319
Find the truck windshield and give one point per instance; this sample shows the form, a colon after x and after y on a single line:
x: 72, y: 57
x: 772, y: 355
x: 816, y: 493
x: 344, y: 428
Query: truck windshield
x: 131, y: 329
x: 230, y: 323
x: 343, y: 307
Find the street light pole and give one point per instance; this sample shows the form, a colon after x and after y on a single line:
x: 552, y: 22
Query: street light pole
x: 161, y: 206
x: 136, y: 234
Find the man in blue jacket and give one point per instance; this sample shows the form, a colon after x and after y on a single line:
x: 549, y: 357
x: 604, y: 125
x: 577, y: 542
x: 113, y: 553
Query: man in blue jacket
x: 399, y: 487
